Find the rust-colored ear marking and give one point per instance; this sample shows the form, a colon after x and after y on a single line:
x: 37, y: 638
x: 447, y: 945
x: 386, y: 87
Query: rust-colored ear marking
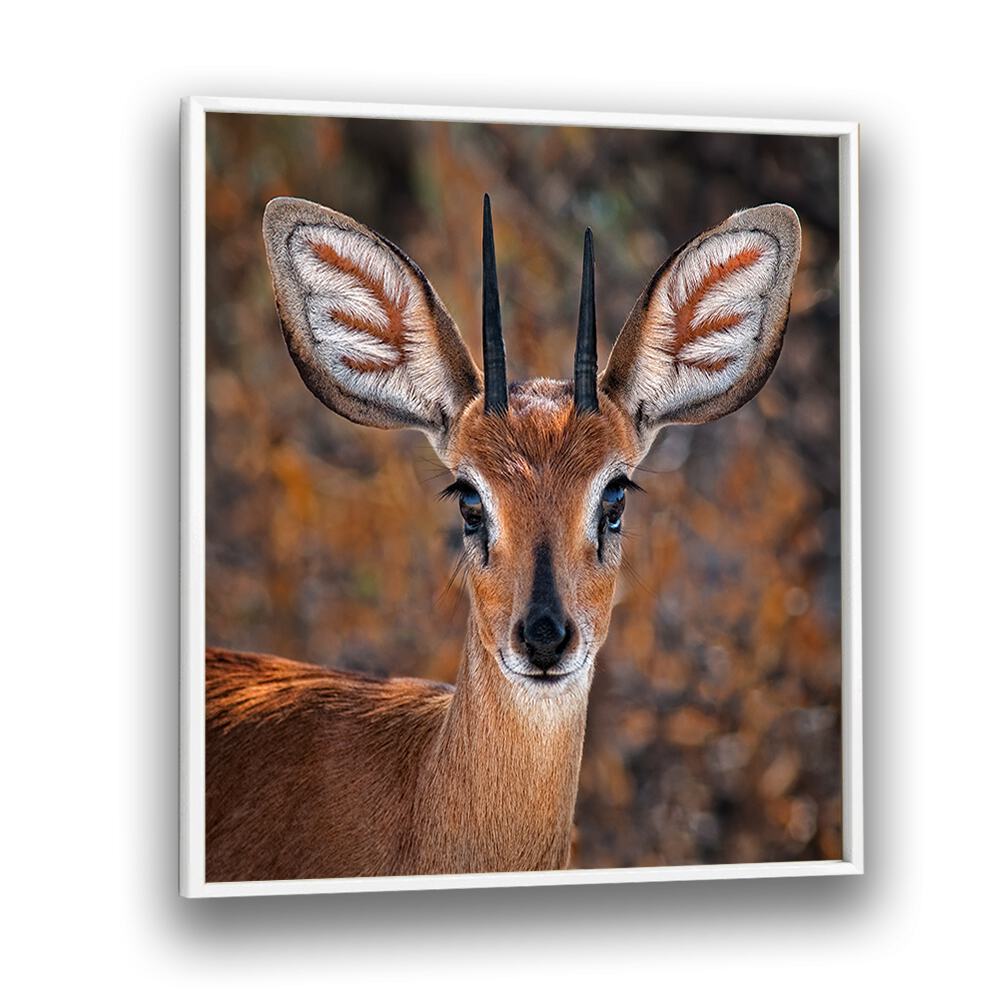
x: 367, y: 332
x: 318, y: 774
x: 391, y: 334
x: 687, y: 329
x: 706, y: 334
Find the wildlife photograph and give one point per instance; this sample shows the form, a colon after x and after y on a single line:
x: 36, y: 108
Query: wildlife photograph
x: 522, y: 498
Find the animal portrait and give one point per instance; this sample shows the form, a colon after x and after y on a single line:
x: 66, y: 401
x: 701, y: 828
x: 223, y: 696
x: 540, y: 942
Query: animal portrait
x: 574, y: 587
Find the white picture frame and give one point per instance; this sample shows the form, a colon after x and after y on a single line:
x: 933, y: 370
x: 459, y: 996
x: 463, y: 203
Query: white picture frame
x: 192, y: 531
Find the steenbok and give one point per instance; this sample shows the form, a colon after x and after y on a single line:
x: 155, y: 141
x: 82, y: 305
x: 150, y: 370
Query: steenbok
x: 313, y: 772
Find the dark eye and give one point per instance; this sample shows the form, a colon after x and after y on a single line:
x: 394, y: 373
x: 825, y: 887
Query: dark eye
x: 613, y: 506
x: 470, y: 505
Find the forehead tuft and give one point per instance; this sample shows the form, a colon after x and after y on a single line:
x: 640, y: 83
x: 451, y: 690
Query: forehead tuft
x: 541, y: 394
x: 542, y: 432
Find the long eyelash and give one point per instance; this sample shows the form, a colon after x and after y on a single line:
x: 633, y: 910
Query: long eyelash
x: 459, y: 486
x: 626, y: 484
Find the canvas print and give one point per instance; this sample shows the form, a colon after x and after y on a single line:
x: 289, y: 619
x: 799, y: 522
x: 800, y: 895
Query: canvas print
x: 523, y: 490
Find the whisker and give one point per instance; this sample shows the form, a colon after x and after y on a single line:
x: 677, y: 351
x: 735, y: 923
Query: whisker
x: 647, y: 468
x: 634, y: 576
x: 439, y: 474
x: 457, y: 592
x: 432, y: 464
x: 460, y: 565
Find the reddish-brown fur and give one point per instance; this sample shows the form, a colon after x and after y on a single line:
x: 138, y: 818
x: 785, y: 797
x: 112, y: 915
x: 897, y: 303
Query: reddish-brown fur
x: 687, y: 330
x: 319, y: 773
x: 316, y: 773
x: 542, y: 457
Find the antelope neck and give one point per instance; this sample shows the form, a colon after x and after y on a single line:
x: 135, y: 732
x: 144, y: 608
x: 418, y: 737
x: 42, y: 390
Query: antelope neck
x: 508, y: 760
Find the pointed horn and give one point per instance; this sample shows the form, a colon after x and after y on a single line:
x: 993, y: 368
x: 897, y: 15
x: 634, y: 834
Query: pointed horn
x: 494, y: 359
x: 585, y: 360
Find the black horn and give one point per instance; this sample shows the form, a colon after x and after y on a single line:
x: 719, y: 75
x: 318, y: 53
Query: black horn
x: 494, y: 359
x: 585, y: 360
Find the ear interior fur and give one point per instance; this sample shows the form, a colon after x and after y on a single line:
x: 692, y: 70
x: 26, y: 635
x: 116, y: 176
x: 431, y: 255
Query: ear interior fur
x: 367, y: 331
x: 707, y: 332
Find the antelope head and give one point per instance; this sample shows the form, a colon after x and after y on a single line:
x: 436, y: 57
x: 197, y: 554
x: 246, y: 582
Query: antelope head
x: 541, y: 468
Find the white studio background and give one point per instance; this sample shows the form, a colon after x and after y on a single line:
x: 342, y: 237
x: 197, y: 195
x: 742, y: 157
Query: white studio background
x: 89, y: 408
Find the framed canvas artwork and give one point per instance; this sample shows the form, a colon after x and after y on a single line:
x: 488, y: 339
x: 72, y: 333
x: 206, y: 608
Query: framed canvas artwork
x: 520, y: 504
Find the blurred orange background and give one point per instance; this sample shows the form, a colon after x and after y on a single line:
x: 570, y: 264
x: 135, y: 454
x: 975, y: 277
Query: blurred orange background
x: 714, y: 727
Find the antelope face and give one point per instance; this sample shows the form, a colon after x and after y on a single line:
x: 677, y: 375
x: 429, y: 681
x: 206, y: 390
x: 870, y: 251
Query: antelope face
x: 541, y: 491
x: 542, y: 469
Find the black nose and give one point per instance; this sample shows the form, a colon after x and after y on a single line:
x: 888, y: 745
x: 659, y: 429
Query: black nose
x: 544, y: 637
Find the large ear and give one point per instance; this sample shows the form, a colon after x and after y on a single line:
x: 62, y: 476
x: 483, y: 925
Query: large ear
x: 706, y: 333
x: 365, y: 328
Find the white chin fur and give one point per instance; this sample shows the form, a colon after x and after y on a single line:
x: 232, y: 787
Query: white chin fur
x: 572, y: 671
